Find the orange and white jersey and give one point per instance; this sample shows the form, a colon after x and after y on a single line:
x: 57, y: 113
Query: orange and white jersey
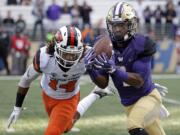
x: 55, y: 82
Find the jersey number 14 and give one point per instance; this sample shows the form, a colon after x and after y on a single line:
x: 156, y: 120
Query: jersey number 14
x: 70, y: 86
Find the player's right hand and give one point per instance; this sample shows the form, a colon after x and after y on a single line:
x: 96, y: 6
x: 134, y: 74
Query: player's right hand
x: 14, y: 116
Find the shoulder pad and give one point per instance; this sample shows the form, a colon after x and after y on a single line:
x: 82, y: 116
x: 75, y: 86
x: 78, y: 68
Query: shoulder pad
x: 40, y: 59
x: 36, y: 61
x: 149, y: 48
x: 144, y: 46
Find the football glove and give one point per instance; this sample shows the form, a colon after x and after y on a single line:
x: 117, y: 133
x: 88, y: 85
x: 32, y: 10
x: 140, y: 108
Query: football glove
x: 14, y: 116
x: 89, y: 59
x: 102, y: 62
x: 162, y: 89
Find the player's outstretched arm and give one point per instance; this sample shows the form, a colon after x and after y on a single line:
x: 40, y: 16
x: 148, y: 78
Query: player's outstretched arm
x: 23, y: 88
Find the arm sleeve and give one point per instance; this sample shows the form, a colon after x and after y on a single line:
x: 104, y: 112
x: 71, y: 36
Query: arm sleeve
x: 95, y: 73
x: 30, y: 75
x: 100, y: 78
x: 142, y: 66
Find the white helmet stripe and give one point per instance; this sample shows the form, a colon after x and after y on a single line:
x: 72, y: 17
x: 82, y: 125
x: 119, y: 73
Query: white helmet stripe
x: 117, y: 10
x: 78, y: 34
x: 64, y: 35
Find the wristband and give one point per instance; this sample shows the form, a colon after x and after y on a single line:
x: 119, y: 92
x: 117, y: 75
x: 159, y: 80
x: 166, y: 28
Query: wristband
x: 120, y: 74
x: 19, y: 99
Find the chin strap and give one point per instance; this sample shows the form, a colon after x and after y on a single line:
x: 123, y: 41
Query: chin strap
x: 126, y: 37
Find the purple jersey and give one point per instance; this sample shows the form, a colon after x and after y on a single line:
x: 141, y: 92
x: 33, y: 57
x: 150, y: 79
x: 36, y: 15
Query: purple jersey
x: 135, y: 57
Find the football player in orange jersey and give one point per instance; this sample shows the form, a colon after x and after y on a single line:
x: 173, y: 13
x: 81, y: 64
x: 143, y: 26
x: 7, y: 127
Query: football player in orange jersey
x: 61, y: 65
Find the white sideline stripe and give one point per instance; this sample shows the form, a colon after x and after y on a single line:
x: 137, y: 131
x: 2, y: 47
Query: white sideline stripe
x: 166, y: 76
x: 86, y: 77
x: 4, y: 78
x: 172, y: 101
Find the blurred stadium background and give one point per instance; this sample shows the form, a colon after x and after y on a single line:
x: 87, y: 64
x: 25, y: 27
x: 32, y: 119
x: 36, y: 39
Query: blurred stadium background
x: 20, y: 39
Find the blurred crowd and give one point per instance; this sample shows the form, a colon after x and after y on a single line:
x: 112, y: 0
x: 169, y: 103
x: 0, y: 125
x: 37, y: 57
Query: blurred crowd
x: 16, y: 44
x: 161, y: 22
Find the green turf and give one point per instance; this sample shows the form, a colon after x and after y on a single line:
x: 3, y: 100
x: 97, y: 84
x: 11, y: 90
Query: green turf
x: 105, y: 117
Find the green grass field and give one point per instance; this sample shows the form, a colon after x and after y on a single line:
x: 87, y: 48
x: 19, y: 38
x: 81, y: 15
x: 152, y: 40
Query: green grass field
x: 105, y: 117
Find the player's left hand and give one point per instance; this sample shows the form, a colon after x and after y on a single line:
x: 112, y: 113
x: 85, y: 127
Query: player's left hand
x: 162, y: 89
x: 102, y: 62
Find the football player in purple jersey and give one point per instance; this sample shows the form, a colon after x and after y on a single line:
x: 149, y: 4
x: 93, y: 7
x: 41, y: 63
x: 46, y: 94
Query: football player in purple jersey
x: 130, y: 70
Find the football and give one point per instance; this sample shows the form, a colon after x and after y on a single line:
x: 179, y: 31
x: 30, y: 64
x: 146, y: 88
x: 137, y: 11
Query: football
x: 103, y: 45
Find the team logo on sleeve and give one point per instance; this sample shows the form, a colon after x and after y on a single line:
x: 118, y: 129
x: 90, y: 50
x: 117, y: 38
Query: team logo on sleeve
x: 120, y: 59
